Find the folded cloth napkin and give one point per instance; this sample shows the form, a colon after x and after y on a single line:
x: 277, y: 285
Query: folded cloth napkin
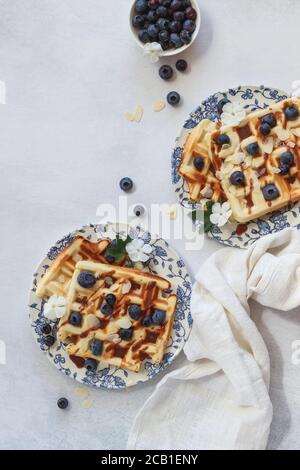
x: 220, y: 400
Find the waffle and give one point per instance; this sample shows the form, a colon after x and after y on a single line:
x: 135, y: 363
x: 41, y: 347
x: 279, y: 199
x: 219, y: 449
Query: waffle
x: 202, y: 184
x: 247, y: 201
x: 129, y: 286
x: 58, y: 276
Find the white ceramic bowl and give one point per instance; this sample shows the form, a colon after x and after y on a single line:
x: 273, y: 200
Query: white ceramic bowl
x: 169, y: 52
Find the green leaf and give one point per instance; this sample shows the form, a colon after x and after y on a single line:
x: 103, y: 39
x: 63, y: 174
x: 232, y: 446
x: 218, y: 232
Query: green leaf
x: 208, y: 210
x: 118, y: 251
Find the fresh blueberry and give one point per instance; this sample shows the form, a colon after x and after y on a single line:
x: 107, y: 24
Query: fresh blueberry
x: 138, y: 21
x: 153, y: 4
x: 158, y: 317
x: 126, y: 333
x: 141, y: 6
x: 163, y: 24
x: 181, y: 65
x: 179, y: 16
x: 146, y: 321
x: 90, y: 364
x: 175, y: 26
x: 186, y: 4
x: 86, y: 280
x: 152, y: 16
x: 284, y: 168
x: 162, y: 11
x: 46, y: 329
x: 189, y: 25
x: 223, y: 139
x: 96, y: 347
x: 49, y: 340
x: 270, y: 192
x: 291, y: 113
x: 126, y: 184
x: 144, y: 36
x: 198, y: 163
x: 165, y: 72
x: 110, y: 259
x: 190, y: 13
x: 153, y: 31
x: 221, y: 105
x: 237, y: 178
x: 176, y: 5
x: 287, y: 158
x: 138, y: 210
x: 163, y: 36
x: 253, y: 149
x: 270, y: 119
x: 185, y: 37
x: 166, y: 45
x: 175, y: 40
x: 62, y: 403
x: 111, y: 299
x: 134, y: 311
x: 75, y: 318
x: 265, y: 128
x: 173, y: 98
x: 106, y: 309
x: 165, y: 3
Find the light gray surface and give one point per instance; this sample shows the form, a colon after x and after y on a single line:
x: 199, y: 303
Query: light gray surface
x: 72, y: 70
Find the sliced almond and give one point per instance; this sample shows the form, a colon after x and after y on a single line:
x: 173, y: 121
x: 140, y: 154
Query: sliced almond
x: 61, y: 278
x: 138, y: 113
x: 92, y: 321
x: 268, y: 145
x: 291, y: 145
x: 275, y: 170
x: 77, y: 258
x: 296, y: 132
x: 158, y: 106
x: 108, y: 281
x: 114, y: 337
x: 114, y: 287
x: 282, y: 134
x: 207, y: 192
x: 129, y: 117
x: 126, y: 287
x: 124, y: 322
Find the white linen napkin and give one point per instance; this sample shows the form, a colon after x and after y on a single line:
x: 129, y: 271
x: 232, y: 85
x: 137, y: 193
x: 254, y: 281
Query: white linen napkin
x: 220, y: 400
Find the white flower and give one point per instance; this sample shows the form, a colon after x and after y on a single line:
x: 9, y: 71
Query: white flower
x: 233, y: 114
x: 153, y: 50
x: 296, y: 89
x: 138, y: 250
x: 220, y: 214
x: 55, y: 307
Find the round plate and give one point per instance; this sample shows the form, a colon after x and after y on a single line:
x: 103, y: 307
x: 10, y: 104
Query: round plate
x: 165, y: 262
x: 234, y: 234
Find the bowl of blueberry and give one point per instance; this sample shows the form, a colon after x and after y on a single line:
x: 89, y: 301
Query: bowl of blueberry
x: 174, y: 24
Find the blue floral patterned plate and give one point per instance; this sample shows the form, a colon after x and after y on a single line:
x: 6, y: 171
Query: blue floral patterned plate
x: 234, y: 234
x: 165, y: 262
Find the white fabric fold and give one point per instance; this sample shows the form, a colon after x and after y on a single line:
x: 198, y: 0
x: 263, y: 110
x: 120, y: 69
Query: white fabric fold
x: 220, y: 400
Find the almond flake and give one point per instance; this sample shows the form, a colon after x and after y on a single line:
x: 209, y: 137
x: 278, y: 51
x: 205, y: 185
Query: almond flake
x: 108, y: 281
x: 282, y: 134
x: 158, y: 106
x: 61, y: 278
x: 124, y: 322
x: 126, y: 287
x: 275, y: 170
x: 291, y: 145
x: 77, y: 258
x: 139, y: 265
x: 296, y: 132
x: 129, y: 117
x: 207, y: 192
x: 138, y: 113
x: 114, y: 287
x: 92, y: 321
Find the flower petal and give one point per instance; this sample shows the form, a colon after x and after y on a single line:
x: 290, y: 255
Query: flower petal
x: 225, y: 206
x: 147, y: 249
x: 216, y: 208
x: 214, y: 218
x: 60, y: 311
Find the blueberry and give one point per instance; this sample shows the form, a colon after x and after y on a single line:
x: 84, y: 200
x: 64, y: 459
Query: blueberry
x: 75, y: 318
x: 198, y: 163
x: 181, y: 65
x: 138, y: 21
x: 86, y: 280
x: 106, y: 309
x: 141, y: 6
x: 166, y: 72
x: 62, y: 403
x: 134, y: 311
x: 270, y: 192
x: 175, y: 26
x: 270, y: 119
x: 237, y: 178
x: 284, y: 168
x: 223, y: 139
x: 166, y: 45
x: 109, y: 258
x: 189, y: 25
x: 175, y: 40
x: 265, y: 128
x: 46, y: 329
x: 190, y: 13
x: 138, y: 210
x: 153, y: 31
x: 90, y: 364
x: 179, y: 16
x: 287, y: 158
x: 144, y: 36
x: 49, y: 341
x: 291, y: 113
x: 146, y: 321
x: 221, y: 105
x: 186, y: 3
x: 126, y: 333
x: 158, y: 317
x: 163, y: 24
x: 153, y: 4
x: 111, y: 299
x: 253, y: 149
x: 96, y: 347
x: 152, y: 16
x: 173, y: 98
x: 126, y: 184
x: 185, y: 37
x: 176, y: 5
x: 165, y: 3
x: 162, y: 11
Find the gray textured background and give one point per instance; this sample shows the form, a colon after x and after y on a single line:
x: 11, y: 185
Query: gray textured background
x: 72, y: 70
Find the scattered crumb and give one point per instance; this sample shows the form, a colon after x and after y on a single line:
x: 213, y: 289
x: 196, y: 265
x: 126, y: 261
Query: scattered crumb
x: 158, y: 106
x: 138, y: 113
x: 87, y: 404
x: 82, y: 392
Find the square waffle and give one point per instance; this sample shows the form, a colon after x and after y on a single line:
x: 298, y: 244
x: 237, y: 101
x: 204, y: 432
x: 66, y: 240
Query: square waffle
x: 129, y: 286
x: 58, y: 276
x: 247, y: 200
